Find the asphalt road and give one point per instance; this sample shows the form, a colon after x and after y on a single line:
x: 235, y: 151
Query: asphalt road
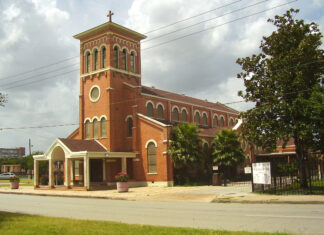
x: 305, y: 219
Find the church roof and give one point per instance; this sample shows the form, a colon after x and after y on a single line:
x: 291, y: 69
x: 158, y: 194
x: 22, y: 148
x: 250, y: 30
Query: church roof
x: 108, y: 26
x: 186, y: 99
x: 83, y: 145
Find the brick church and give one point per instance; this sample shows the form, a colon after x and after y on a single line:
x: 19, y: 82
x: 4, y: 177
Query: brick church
x: 124, y: 125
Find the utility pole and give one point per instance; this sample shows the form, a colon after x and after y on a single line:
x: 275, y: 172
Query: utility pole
x: 30, y: 146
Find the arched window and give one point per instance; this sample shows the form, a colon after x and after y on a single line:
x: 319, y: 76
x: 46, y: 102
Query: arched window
x: 205, y: 148
x: 103, y: 127
x: 222, y: 121
x: 116, y: 57
x: 184, y: 115
x: 95, y: 60
x: 129, y: 127
x: 151, y: 157
x: 204, y: 119
x: 197, y: 118
x: 87, y: 129
x: 125, y: 59
x: 175, y: 114
x: 149, y: 109
x: 87, y: 62
x: 160, y: 112
x: 103, y: 57
x: 215, y: 121
x: 95, y: 129
x: 231, y: 122
x: 133, y: 62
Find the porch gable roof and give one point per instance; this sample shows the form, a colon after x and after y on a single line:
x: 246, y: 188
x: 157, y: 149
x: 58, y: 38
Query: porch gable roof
x: 82, y: 145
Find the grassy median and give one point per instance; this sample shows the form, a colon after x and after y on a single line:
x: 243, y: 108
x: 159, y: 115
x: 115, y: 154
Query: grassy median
x: 13, y: 223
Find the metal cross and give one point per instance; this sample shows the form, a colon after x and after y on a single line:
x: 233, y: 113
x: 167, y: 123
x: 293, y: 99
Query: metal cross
x: 110, y: 15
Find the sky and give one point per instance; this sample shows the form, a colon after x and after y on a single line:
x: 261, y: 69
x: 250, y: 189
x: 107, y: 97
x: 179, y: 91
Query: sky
x: 195, y: 55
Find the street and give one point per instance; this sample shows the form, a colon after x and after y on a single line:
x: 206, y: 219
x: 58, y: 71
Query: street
x: 307, y: 219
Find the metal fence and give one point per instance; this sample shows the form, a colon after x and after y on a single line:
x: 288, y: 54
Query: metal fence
x: 286, y: 178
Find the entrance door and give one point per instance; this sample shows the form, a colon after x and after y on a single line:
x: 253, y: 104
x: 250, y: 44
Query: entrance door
x: 96, y: 170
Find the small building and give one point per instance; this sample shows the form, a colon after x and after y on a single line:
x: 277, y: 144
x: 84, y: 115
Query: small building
x: 13, y: 168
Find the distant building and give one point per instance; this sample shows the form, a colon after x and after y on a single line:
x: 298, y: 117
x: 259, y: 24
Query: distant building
x: 12, y: 152
x: 14, y: 168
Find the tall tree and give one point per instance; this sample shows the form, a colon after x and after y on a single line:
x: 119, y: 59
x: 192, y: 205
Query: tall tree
x: 227, y: 152
x: 286, y: 83
x: 185, y: 149
x: 3, y: 99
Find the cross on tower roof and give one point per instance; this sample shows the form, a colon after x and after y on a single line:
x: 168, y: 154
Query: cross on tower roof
x: 110, y: 15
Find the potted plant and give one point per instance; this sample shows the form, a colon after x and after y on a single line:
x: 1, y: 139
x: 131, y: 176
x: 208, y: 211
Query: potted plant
x: 14, y: 181
x: 122, y: 182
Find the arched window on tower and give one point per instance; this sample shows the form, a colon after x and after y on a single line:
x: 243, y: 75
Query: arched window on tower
x: 222, y: 121
x: 175, y: 114
x: 160, y: 112
x: 87, y: 129
x: 87, y: 62
x: 103, y: 57
x: 116, y: 57
x: 149, y: 109
x: 204, y: 119
x: 95, y: 129
x: 133, y: 70
x: 103, y: 127
x: 184, y: 115
x: 95, y: 60
x: 129, y: 127
x: 151, y: 157
x: 215, y: 121
x: 125, y: 59
x: 197, y: 118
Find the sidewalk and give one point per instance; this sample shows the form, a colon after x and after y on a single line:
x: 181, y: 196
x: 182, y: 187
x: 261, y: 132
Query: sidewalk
x: 193, y: 194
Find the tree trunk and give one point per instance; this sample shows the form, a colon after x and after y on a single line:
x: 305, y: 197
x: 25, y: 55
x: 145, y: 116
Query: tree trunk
x: 301, y: 157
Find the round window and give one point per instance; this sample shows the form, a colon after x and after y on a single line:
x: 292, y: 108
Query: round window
x: 94, y: 93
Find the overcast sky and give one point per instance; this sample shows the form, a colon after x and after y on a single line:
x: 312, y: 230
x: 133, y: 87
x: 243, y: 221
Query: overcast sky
x: 39, y: 64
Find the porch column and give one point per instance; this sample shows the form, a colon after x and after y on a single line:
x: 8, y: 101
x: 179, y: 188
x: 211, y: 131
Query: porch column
x: 124, y: 164
x: 36, y: 182
x: 86, y: 172
x: 50, y: 173
x: 104, y: 169
x: 67, y: 172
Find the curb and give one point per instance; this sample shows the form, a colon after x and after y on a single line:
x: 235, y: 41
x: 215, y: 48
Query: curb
x: 228, y: 200
x: 72, y: 196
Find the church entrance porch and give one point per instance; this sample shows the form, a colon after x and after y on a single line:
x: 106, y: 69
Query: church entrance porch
x: 81, y: 164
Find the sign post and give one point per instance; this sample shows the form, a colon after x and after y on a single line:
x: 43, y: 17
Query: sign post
x: 261, y: 173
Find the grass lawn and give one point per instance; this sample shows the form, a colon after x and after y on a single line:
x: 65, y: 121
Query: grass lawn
x: 13, y: 223
x: 24, y: 181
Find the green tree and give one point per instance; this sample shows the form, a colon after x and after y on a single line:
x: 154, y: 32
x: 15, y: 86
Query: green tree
x: 227, y: 152
x: 3, y: 99
x: 286, y: 83
x: 185, y: 149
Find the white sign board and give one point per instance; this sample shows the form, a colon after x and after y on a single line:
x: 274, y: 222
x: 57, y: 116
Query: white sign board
x: 247, y: 170
x: 261, y: 173
x: 215, y: 168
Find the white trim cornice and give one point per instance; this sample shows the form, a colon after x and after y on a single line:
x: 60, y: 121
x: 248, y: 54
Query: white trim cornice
x: 107, y: 69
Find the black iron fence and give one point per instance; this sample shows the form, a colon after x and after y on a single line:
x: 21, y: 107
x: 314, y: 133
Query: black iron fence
x: 286, y: 178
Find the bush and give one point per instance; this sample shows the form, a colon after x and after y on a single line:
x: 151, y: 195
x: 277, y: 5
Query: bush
x: 14, y: 179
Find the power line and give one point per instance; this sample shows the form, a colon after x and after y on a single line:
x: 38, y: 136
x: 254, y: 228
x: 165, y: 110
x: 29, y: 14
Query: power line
x: 38, y: 75
x: 42, y: 79
x: 204, y: 21
x: 39, y: 68
x: 237, y: 19
x: 191, y: 17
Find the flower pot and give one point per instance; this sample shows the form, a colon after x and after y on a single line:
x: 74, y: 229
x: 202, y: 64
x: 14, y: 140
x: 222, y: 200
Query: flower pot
x: 122, y: 187
x: 14, y: 185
